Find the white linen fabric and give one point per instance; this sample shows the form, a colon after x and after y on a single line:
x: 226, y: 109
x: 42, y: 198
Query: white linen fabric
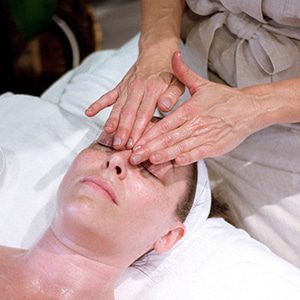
x: 40, y: 138
x: 39, y: 141
x: 260, y: 181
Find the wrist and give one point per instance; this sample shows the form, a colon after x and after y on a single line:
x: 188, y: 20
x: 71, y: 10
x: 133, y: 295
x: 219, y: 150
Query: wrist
x: 276, y: 102
x: 159, y: 53
x: 155, y: 43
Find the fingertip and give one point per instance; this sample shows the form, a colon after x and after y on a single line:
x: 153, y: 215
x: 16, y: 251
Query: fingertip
x: 155, y: 159
x: 108, y: 128
x: 181, y: 160
x: 135, y: 159
x: 89, y: 112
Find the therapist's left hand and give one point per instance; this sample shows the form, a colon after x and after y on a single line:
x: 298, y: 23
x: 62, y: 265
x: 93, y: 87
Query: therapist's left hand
x: 215, y: 120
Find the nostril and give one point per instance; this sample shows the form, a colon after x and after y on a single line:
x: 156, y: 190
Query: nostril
x: 118, y: 169
x: 107, y: 164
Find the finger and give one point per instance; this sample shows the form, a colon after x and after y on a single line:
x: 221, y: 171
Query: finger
x: 170, y: 122
x: 105, y: 139
x: 128, y: 115
x: 194, y: 155
x: 186, y: 75
x: 104, y: 101
x: 113, y: 120
x: 165, y: 141
x: 145, y: 112
x: 174, y: 151
x: 170, y: 97
x: 144, y: 116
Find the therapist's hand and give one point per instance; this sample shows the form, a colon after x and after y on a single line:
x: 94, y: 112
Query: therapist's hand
x: 148, y: 84
x: 212, y: 122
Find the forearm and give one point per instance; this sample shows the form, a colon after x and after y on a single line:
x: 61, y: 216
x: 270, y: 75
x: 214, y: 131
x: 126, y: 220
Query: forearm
x: 161, y: 23
x: 277, y: 102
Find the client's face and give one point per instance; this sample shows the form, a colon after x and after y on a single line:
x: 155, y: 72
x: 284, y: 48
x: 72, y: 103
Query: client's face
x: 110, y: 207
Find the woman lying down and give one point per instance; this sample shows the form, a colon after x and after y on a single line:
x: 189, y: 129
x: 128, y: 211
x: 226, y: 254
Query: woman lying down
x: 96, y: 233
x: 108, y: 215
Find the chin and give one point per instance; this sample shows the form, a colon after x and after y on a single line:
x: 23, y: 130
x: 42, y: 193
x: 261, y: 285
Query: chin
x: 80, y: 223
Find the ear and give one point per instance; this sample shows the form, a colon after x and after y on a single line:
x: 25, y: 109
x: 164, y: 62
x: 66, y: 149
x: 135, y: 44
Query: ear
x: 166, y: 242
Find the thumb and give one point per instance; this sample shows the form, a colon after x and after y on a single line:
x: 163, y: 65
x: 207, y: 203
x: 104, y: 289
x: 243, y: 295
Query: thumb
x: 185, y: 74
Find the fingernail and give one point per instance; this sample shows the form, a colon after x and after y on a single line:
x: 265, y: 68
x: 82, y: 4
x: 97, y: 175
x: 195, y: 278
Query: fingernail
x: 136, y: 159
x: 129, y: 143
x: 156, y: 157
x: 166, y: 103
x: 117, y: 141
x: 136, y: 148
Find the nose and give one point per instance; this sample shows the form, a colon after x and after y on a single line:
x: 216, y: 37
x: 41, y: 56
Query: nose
x: 118, y: 163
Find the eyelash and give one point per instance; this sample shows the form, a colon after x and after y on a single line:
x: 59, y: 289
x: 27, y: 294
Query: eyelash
x: 143, y: 165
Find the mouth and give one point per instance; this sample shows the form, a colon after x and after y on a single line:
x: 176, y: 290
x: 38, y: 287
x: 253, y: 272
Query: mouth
x: 100, y: 184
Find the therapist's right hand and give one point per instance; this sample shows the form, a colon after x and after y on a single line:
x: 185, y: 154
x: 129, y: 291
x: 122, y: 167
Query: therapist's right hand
x: 149, y: 83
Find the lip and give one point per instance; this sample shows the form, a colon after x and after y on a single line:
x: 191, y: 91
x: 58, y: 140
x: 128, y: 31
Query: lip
x: 103, y: 185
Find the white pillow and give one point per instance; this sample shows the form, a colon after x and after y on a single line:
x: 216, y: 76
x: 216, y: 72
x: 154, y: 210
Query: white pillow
x: 39, y: 140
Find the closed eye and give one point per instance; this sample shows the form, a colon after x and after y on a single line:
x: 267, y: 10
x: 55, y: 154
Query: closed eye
x: 107, y: 146
x: 146, y: 166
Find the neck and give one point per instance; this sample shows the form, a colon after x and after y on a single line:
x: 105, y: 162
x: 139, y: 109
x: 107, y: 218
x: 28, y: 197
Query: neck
x: 69, y: 274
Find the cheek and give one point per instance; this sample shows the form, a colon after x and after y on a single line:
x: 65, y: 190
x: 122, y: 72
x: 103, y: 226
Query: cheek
x: 148, y: 203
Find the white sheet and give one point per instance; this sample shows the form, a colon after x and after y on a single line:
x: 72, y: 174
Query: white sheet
x: 40, y: 139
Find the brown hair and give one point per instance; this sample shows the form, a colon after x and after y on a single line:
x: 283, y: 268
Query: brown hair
x: 184, y: 206
x: 219, y: 209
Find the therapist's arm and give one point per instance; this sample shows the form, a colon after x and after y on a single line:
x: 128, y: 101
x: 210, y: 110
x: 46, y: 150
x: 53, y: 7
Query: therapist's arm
x: 216, y: 118
x: 279, y: 102
x: 150, y: 81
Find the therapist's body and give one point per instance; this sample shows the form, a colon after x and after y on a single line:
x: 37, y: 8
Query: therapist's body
x: 253, y: 48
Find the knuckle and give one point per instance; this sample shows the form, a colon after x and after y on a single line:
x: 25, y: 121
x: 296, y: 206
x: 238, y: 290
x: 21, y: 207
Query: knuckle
x: 135, y: 84
x: 150, y: 84
x: 114, y: 116
x: 123, y: 132
x: 186, y: 112
x: 168, y: 140
x: 113, y: 121
x: 144, y: 113
x: 153, y: 85
x: 127, y: 113
x: 117, y: 107
x: 143, y: 110
x: 181, y: 148
x: 164, y: 126
x: 200, y: 152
